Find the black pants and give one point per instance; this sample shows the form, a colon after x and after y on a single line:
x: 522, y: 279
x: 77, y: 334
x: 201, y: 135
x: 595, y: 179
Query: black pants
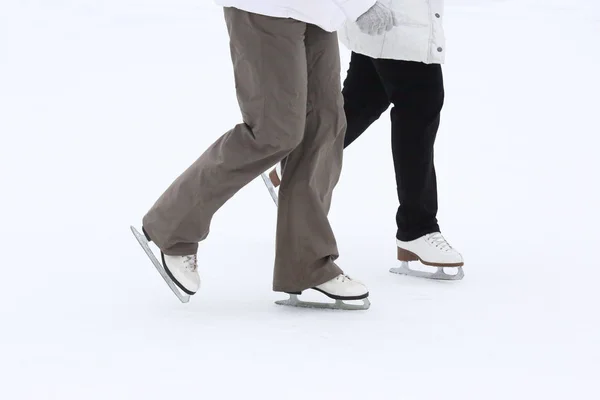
x: 416, y: 91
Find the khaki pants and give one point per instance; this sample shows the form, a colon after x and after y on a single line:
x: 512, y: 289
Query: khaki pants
x: 287, y: 78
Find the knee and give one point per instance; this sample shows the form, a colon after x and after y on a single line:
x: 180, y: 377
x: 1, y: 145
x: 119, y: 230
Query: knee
x: 294, y: 136
x: 426, y: 103
x: 282, y: 133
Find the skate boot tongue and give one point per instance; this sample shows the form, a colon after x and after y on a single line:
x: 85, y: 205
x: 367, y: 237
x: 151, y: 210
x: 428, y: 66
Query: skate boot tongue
x: 438, y: 240
x: 190, y: 263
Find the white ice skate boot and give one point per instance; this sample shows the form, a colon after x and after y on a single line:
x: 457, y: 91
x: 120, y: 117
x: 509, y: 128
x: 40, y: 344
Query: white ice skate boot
x: 183, y: 270
x: 180, y: 273
x: 272, y: 181
x: 432, y: 250
x: 341, y: 288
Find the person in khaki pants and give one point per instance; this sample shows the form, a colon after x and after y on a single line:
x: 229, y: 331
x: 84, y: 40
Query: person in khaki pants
x: 287, y: 77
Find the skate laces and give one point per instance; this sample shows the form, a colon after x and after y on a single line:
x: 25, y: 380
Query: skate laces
x: 190, y: 263
x: 439, y: 241
x: 343, y: 278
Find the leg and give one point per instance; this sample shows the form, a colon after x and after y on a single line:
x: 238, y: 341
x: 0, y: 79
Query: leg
x: 306, y: 246
x: 365, y: 98
x: 272, y: 98
x: 417, y: 92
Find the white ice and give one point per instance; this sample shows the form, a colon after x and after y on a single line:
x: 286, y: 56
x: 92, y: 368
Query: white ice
x: 103, y: 103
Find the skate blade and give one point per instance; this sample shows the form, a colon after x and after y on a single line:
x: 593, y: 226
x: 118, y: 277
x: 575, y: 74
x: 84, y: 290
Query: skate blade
x: 439, y: 275
x: 293, y: 301
x: 270, y: 187
x: 183, y: 297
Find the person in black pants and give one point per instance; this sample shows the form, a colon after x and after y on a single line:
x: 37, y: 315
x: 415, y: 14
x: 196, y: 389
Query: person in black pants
x: 416, y: 91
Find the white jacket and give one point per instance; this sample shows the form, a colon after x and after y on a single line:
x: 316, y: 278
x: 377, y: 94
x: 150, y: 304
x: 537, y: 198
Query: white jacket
x: 420, y: 36
x: 330, y: 15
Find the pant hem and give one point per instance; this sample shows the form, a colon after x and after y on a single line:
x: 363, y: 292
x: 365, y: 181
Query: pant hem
x: 332, y: 271
x: 409, y: 236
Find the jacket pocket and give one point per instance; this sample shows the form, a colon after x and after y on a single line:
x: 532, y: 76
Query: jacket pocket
x: 412, y: 12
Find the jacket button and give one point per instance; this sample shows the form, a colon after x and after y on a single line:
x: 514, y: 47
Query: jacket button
x: 439, y: 49
x: 437, y: 15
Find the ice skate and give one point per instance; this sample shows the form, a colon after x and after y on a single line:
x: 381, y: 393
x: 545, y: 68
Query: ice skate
x: 179, y: 272
x: 272, y: 181
x: 431, y: 250
x: 341, y: 288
